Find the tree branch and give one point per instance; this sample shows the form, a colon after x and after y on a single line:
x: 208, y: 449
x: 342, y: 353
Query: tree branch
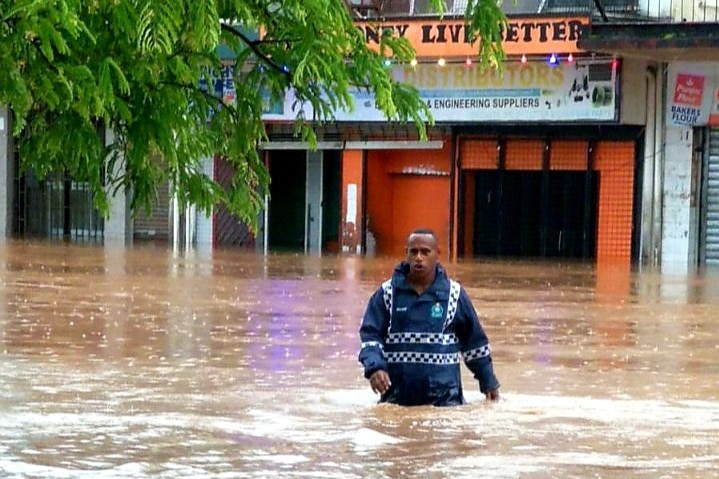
x: 253, y: 46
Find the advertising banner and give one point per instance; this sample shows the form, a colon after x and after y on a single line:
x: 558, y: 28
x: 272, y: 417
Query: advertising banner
x: 693, y: 96
x: 581, y: 91
x: 534, y: 91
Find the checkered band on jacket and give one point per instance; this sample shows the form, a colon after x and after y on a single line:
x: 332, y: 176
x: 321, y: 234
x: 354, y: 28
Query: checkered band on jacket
x: 421, y: 357
x: 422, y: 338
x: 454, y: 290
x: 387, y: 296
x: 477, y: 353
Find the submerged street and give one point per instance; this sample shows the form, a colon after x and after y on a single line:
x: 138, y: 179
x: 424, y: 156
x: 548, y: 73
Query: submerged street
x: 140, y: 362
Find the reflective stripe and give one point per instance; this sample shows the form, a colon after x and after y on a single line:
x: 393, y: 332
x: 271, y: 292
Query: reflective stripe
x: 423, y: 358
x: 370, y: 344
x: 482, y: 352
x: 423, y: 338
x: 454, y: 290
x: 387, y: 296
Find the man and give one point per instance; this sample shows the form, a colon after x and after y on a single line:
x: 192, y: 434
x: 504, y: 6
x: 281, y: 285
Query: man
x: 416, y: 327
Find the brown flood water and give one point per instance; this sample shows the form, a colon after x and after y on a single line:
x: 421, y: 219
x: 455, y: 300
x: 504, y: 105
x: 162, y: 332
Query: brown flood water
x: 139, y: 363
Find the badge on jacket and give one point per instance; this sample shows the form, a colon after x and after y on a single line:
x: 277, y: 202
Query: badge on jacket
x: 437, y: 311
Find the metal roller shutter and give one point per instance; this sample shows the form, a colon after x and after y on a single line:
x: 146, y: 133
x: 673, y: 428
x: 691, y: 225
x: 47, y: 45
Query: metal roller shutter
x: 712, y: 199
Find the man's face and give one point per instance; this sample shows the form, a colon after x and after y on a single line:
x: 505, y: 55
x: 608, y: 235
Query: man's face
x: 422, y: 254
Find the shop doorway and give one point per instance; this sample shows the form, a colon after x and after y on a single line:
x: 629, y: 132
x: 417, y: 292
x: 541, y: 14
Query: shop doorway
x: 304, y: 206
x: 536, y: 213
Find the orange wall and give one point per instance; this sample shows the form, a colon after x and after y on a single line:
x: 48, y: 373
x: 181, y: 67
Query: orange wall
x: 401, y: 196
x: 478, y: 154
x: 379, y: 198
x: 524, y: 155
x: 615, y: 163
x: 568, y: 155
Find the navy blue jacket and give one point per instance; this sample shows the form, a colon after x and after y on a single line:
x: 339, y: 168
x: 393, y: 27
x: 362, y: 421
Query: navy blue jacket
x: 418, y: 347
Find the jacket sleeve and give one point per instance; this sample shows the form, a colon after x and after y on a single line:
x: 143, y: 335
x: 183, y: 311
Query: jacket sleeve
x: 373, y: 333
x: 474, y: 344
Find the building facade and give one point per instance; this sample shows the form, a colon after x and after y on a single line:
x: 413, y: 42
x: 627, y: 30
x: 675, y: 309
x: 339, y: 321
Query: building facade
x: 677, y: 40
x: 536, y: 159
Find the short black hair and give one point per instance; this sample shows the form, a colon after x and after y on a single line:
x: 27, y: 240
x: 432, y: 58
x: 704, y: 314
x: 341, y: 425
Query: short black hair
x: 423, y: 231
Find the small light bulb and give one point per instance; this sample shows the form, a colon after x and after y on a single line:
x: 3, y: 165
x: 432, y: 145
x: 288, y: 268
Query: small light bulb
x: 524, y: 59
x: 441, y: 62
x: 570, y: 58
x: 468, y: 62
x: 413, y: 62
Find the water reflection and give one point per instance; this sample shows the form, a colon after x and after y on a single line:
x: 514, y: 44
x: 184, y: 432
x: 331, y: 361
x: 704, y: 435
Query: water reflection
x: 143, y: 363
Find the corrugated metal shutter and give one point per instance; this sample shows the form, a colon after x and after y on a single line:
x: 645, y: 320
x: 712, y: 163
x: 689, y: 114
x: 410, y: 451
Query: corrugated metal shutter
x: 157, y: 225
x: 712, y: 205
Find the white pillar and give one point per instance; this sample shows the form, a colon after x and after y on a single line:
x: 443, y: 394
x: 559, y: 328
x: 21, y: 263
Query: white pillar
x: 118, y: 226
x: 175, y: 212
x: 7, y: 165
x: 203, y: 222
x: 676, y: 218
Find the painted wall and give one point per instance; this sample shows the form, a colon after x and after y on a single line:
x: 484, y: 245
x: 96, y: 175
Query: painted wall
x: 615, y: 162
x: 632, y: 92
x: 408, y: 189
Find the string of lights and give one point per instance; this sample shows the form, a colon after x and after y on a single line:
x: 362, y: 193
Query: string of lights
x: 552, y: 59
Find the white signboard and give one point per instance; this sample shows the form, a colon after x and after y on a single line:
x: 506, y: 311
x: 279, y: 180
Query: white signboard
x: 693, y: 97
x: 533, y: 91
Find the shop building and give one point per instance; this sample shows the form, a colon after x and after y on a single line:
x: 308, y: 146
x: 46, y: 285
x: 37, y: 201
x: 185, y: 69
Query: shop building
x: 539, y: 160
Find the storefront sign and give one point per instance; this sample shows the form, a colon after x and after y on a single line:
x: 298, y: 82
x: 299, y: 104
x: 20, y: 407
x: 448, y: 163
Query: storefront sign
x: 694, y: 94
x: 536, y: 91
x: 449, y: 38
x: 455, y: 93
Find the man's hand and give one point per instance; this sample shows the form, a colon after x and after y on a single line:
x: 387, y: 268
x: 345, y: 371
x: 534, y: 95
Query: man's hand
x: 492, y: 395
x: 380, y: 381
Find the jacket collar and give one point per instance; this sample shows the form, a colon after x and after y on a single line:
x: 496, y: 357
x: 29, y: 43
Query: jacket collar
x: 439, y: 287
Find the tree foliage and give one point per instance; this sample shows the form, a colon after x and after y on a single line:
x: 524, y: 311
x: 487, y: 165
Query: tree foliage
x: 140, y: 67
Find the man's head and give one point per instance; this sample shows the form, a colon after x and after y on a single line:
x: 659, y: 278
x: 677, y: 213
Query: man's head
x: 422, y: 254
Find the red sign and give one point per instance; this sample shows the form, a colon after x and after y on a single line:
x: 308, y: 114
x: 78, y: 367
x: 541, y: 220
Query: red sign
x: 689, y: 90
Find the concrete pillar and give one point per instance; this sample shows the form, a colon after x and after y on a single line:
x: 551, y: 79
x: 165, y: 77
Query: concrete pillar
x: 118, y: 226
x: 676, y: 194
x: 651, y: 220
x: 7, y: 172
x: 203, y: 227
